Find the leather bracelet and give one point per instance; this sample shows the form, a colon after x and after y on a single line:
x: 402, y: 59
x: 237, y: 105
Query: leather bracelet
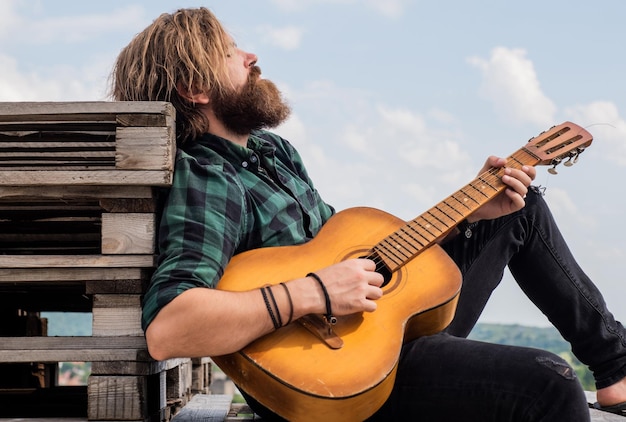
x: 279, y: 320
x: 290, y: 303
x: 330, y: 319
x: 269, y: 309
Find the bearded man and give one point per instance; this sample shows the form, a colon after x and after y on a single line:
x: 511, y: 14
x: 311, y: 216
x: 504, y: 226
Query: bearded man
x: 238, y: 187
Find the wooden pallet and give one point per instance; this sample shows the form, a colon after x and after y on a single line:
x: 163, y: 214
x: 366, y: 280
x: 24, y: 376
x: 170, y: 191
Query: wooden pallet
x: 79, y: 193
x: 87, y: 143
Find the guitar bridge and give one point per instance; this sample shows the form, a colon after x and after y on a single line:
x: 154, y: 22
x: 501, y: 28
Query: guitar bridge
x: 321, y: 329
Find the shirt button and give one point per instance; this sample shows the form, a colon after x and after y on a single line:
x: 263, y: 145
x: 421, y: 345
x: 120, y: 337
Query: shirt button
x: 244, y: 164
x: 253, y: 158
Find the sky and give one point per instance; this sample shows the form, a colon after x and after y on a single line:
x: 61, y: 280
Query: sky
x: 396, y: 103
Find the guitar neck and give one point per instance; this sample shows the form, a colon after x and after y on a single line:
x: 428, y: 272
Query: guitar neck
x: 566, y: 140
x: 422, y: 232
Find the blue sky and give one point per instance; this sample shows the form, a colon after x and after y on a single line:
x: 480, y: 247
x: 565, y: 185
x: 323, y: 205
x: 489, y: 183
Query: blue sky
x: 396, y: 102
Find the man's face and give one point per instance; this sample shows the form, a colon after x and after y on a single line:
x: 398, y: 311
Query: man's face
x: 253, y: 103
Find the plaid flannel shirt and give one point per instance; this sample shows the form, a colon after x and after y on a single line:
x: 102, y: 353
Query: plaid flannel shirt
x: 227, y: 199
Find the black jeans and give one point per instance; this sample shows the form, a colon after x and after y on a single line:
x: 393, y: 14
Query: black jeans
x: 447, y: 377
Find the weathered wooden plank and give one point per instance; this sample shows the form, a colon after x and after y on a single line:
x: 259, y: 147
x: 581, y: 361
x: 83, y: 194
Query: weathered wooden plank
x: 49, y: 124
x: 116, y: 315
x: 76, y: 261
x: 116, y: 301
x: 144, y: 148
x: 54, y: 155
x: 128, y: 233
x: 86, y: 177
x: 67, y: 142
x: 43, y: 209
x: 72, y: 343
x: 65, y: 192
x: 135, y: 285
x: 134, y: 368
x: 129, y: 205
x: 117, y: 397
x: 92, y: 276
x: 141, y: 119
x: 72, y: 349
x: 178, y: 381
x: 206, y: 408
x: 8, y: 110
x: 201, y: 375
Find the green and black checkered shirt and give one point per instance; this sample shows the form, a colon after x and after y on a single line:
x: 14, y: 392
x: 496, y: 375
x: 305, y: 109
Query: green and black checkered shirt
x: 227, y: 199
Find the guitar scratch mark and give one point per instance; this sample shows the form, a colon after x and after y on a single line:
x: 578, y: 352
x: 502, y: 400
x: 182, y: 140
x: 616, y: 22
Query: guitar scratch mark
x: 329, y: 392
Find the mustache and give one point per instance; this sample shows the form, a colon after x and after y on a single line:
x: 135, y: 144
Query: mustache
x: 255, y: 73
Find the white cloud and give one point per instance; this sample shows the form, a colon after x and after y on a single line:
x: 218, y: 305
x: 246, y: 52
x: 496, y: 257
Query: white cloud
x: 79, y: 28
x: 9, y: 19
x: 28, y: 27
x: 511, y: 84
x: 298, y: 5
x: 603, y: 120
x: 425, y: 147
x: 566, y: 210
x: 388, y: 8
x: 287, y: 38
x: 61, y: 83
x: 19, y: 86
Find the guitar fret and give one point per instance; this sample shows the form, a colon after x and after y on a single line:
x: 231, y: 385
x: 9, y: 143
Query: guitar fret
x: 463, y: 201
x: 389, y: 253
x: 415, y: 239
x: 411, y: 226
x: 472, y: 194
x: 436, y: 219
x: 427, y: 226
x: 520, y: 163
x: 480, y: 189
x: 454, y: 210
x: 402, y: 244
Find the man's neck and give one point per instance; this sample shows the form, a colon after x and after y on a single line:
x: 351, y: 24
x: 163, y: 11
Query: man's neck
x: 217, y: 128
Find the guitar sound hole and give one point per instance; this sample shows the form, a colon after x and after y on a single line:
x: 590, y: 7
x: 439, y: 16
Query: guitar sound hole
x: 382, y: 269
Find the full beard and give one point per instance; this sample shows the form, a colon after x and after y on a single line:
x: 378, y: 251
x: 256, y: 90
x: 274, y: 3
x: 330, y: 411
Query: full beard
x: 258, y: 105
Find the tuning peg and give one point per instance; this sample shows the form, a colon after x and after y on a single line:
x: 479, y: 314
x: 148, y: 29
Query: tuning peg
x: 579, y: 151
x: 573, y: 158
x: 554, y: 163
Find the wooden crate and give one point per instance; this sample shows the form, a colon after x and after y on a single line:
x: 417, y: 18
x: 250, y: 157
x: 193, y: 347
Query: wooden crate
x: 87, y: 143
x: 79, y: 193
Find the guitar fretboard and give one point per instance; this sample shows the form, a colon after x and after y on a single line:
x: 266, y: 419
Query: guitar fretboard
x: 420, y: 233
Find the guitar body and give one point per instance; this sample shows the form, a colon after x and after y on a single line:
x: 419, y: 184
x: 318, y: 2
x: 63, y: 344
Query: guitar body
x: 294, y: 372
x: 298, y: 376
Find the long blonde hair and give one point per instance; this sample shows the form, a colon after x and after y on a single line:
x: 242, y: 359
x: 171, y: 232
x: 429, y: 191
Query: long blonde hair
x: 188, y: 47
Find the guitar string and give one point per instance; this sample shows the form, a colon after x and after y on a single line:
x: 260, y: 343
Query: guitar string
x: 491, y: 177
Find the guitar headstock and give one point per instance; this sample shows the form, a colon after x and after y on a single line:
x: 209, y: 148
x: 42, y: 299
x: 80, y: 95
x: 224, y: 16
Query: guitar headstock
x: 565, y: 141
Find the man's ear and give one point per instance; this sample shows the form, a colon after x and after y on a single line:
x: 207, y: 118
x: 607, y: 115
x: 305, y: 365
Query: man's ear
x: 192, y: 95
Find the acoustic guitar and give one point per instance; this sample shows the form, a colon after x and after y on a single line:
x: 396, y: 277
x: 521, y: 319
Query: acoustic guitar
x: 309, y: 370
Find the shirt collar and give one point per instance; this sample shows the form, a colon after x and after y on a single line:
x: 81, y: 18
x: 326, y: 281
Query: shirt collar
x: 236, y: 153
